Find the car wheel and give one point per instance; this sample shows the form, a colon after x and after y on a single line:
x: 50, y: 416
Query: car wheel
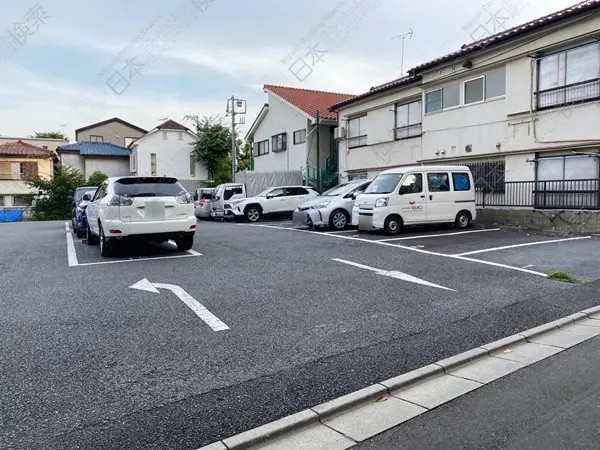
x: 392, y: 225
x: 338, y: 219
x: 89, y: 237
x: 80, y: 233
x: 252, y: 214
x: 106, y: 244
x: 185, y: 243
x: 463, y: 220
x: 73, y: 225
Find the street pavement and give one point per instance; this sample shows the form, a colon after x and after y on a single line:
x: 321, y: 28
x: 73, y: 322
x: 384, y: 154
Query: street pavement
x: 88, y: 362
x: 551, y: 405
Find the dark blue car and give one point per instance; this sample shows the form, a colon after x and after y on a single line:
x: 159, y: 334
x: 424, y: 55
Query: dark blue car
x: 79, y: 219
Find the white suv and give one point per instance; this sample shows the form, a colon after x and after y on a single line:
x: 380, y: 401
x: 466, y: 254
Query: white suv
x: 148, y: 208
x: 274, y: 201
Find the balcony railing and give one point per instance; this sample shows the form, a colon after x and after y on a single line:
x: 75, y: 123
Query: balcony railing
x: 559, y: 194
x: 569, y: 94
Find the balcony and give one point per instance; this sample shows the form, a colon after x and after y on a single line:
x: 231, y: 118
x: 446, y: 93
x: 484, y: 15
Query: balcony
x: 570, y: 94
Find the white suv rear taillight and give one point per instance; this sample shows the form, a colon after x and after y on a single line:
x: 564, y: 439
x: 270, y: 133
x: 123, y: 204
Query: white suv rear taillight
x: 185, y: 198
x: 119, y: 200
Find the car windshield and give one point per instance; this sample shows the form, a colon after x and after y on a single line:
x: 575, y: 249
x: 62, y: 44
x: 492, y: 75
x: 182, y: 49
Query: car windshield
x: 264, y: 193
x: 384, y: 184
x: 149, y: 187
x: 206, y: 195
x: 80, y: 191
x: 339, y: 189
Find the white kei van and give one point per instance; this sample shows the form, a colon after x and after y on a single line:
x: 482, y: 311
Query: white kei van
x: 416, y: 195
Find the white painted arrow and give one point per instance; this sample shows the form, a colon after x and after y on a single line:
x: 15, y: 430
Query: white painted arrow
x: 394, y: 274
x: 209, y: 318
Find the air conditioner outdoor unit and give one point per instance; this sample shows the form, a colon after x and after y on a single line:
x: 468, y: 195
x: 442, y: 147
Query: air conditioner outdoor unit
x: 339, y: 133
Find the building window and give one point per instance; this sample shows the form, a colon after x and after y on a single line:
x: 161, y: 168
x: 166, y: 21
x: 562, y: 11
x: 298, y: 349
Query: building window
x: 357, y: 132
x: 96, y: 138
x: 474, y: 90
x: 180, y: 135
x: 164, y: 135
x: 19, y: 200
x: 495, y: 83
x: 408, y: 120
x: 569, y: 77
x: 45, y: 147
x: 192, y: 165
x: 299, y: 136
x: 128, y: 141
x: 1, y: 200
x: 279, y: 142
x: 263, y: 147
x: 447, y: 97
x: 488, y: 176
x: 133, y: 162
x: 357, y: 176
x: 153, y: 163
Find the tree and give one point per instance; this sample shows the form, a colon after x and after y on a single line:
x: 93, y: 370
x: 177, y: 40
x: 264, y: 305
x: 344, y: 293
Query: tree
x: 49, y: 135
x: 96, y: 178
x: 53, y: 201
x: 213, y: 148
x: 244, y: 154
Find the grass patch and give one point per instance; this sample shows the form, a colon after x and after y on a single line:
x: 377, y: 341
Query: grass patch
x: 561, y: 275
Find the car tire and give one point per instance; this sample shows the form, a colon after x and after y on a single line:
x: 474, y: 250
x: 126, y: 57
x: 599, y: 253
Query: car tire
x: 392, y: 225
x: 73, y: 225
x: 252, y: 214
x: 185, y: 243
x: 80, y: 233
x: 463, y: 220
x: 89, y: 237
x: 339, y: 219
x: 106, y: 244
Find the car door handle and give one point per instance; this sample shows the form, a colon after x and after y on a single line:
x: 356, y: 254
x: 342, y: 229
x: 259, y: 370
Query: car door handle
x: 431, y: 197
x: 169, y: 206
x: 422, y: 196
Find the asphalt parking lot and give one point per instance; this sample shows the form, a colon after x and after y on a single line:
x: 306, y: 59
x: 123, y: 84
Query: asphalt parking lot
x: 156, y: 348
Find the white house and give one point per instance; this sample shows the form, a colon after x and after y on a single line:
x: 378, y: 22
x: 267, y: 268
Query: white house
x: 520, y: 106
x: 167, y: 150
x: 284, y: 134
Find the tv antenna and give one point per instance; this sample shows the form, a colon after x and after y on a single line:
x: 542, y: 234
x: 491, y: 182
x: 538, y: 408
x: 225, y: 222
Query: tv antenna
x: 403, y: 37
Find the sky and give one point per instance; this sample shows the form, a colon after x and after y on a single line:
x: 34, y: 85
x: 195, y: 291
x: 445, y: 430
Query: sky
x: 65, y: 64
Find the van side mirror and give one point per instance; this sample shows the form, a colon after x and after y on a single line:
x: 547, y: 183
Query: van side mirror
x: 86, y: 197
x: 269, y: 196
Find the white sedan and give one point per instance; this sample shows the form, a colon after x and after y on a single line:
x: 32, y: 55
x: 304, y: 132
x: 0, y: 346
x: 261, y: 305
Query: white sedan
x: 144, y: 208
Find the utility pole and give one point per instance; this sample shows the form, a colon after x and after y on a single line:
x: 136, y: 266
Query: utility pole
x: 318, y: 155
x: 237, y: 108
x: 403, y: 37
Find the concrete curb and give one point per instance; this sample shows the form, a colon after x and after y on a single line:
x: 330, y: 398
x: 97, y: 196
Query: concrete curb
x: 367, y: 395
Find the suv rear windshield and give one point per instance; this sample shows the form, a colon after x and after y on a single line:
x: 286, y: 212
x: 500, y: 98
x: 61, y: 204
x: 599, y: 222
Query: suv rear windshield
x: 149, y: 187
x: 206, y: 195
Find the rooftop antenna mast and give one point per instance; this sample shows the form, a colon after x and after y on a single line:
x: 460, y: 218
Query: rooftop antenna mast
x: 403, y: 37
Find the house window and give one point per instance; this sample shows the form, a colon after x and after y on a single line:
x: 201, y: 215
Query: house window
x: 96, y: 138
x: 45, y: 146
x: 357, y: 132
x: 408, y: 120
x: 263, y: 147
x: 21, y: 169
x: 495, y: 83
x: 133, y: 162
x: 357, y: 176
x: 1, y: 200
x: 153, y: 163
x: 299, y: 136
x: 569, y: 77
x: 164, y: 135
x: 192, y: 165
x: 474, y: 90
x: 447, y: 97
x: 128, y: 140
x: 279, y: 142
x: 19, y: 200
x: 488, y: 176
x: 180, y: 135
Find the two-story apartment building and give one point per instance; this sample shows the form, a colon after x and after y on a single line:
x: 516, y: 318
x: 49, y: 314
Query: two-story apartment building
x: 19, y: 160
x: 285, y: 137
x: 115, y: 131
x: 520, y: 106
x: 167, y: 150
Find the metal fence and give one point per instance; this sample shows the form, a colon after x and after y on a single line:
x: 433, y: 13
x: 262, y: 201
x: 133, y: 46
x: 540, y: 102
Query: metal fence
x: 559, y: 194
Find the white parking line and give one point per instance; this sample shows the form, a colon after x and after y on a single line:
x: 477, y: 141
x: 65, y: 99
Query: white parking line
x: 440, y: 234
x: 522, y: 245
x: 143, y: 258
x: 418, y: 250
x: 341, y: 231
x: 71, y: 254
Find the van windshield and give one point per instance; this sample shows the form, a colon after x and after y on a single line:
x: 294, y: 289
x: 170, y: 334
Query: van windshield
x: 384, y: 184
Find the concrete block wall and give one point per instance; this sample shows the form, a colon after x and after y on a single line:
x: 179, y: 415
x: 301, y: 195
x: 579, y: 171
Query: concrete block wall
x: 558, y: 221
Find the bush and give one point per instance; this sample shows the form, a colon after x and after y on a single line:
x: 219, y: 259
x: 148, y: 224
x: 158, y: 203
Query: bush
x: 53, y: 201
x: 96, y: 178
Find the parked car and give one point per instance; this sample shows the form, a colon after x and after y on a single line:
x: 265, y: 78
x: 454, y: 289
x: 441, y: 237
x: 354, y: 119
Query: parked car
x: 76, y: 199
x: 80, y: 228
x: 203, y: 202
x: 223, y: 196
x: 333, y: 208
x: 416, y: 195
x: 143, y: 208
x: 273, y: 201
